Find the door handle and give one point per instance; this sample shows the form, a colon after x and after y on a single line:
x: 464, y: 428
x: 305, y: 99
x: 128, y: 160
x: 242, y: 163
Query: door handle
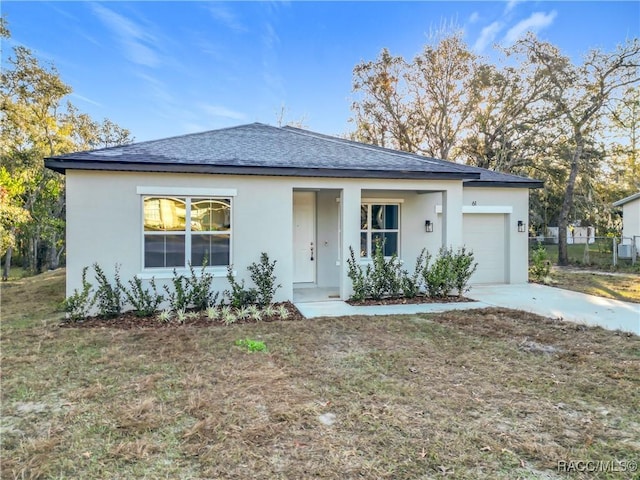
x: 312, y: 251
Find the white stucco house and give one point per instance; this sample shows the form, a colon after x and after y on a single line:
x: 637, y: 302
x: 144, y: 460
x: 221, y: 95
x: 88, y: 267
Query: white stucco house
x: 302, y: 197
x: 630, y: 223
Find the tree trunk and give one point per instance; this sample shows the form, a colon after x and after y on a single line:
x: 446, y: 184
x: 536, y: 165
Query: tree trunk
x: 32, y: 258
x: 55, y: 253
x: 59, y: 254
x: 567, y: 203
x: 7, y: 264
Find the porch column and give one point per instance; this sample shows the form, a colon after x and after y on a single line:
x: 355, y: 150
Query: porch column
x: 452, y: 217
x: 350, y: 199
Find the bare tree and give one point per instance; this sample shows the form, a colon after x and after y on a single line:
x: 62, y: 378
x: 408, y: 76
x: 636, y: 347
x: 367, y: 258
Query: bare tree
x: 420, y: 107
x: 576, y: 97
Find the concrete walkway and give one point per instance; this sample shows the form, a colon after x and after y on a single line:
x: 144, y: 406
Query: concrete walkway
x: 539, y: 299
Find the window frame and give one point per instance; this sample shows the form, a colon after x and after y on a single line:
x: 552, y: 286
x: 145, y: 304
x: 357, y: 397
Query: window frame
x: 186, y: 194
x: 370, y: 203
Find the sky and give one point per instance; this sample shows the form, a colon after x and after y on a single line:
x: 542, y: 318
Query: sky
x: 168, y: 68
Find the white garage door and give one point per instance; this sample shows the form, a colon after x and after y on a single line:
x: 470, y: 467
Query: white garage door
x: 485, y: 235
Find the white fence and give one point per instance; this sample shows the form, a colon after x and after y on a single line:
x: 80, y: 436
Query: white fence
x: 586, y: 249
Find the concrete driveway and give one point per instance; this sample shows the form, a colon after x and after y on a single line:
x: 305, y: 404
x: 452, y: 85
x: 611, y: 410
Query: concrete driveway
x: 565, y: 304
x: 539, y: 299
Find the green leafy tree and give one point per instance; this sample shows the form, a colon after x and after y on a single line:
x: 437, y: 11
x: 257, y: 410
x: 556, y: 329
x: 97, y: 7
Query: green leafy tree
x: 12, y: 214
x: 36, y: 122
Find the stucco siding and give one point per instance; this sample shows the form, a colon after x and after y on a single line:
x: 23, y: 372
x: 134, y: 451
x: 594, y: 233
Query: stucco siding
x: 631, y: 220
x: 516, y: 243
x: 104, y: 221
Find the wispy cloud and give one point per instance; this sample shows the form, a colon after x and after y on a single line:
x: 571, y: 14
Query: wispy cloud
x: 85, y: 99
x: 474, y: 17
x: 511, y: 4
x: 157, y: 89
x: 534, y: 23
x: 207, y: 47
x: 271, y: 73
x: 487, y: 36
x: 270, y: 37
x: 226, y: 17
x: 193, y: 127
x: 138, y: 43
x: 221, y: 111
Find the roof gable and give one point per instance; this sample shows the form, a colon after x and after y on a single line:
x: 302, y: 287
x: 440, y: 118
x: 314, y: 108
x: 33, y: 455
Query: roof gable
x: 258, y: 149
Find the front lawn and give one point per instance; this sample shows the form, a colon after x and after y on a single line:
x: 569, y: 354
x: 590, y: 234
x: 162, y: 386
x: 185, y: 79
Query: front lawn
x: 475, y: 394
x: 619, y: 286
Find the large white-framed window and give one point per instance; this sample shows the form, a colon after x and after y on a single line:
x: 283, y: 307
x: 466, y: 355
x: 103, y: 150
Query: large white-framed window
x: 379, y: 222
x: 179, y: 230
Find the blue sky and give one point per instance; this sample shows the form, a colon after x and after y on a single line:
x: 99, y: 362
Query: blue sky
x: 169, y: 68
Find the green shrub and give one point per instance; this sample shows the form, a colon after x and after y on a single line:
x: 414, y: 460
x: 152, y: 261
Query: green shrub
x: 384, y: 276
x: 145, y: 302
x: 108, y: 297
x: 439, y: 278
x: 239, y: 296
x: 199, y: 293
x: 540, y: 265
x: 410, y: 284
x: 179, y: 298
x: 264, y: 278
x: 358, y: 278
x: 463, y: 267
x: 78, y: 304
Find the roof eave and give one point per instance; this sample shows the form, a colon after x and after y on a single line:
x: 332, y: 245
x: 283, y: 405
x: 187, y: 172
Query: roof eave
x: 626, y: 200
x: 62, y: 165
x: 503, y: 184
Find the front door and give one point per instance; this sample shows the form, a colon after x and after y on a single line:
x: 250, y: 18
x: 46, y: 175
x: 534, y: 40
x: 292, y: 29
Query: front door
x: 304, y: 237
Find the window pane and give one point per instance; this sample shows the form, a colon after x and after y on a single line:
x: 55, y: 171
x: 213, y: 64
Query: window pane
x: 164, y: 214
x: 384, y: 217
x: 363, y: 244
x: 164, y: 251
x: 389, y: 242
x: 391, y: 217
x: 209, y: 215
x: 364, y: 213
x: 214, y: 247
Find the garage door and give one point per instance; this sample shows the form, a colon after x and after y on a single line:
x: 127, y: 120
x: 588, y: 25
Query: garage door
x: 485, y: 235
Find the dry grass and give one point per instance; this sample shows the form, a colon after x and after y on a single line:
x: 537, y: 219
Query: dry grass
x: 618, y: 286
x: 460, y: 395
x: 23, y: 299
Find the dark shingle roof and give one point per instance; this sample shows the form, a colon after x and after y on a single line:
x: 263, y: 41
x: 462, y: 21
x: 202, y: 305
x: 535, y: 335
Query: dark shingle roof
x: 259, y: 149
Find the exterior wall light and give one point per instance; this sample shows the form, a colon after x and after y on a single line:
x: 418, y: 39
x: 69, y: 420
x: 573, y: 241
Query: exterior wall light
x: 522, y: 227
x: 428, y: 226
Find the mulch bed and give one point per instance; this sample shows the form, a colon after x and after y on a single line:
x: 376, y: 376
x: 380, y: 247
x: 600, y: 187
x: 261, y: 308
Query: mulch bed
x: 128, y: 321
x: 411, y: 301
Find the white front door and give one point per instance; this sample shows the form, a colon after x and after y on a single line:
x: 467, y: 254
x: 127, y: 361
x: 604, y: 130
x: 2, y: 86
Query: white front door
x: 304, y: 237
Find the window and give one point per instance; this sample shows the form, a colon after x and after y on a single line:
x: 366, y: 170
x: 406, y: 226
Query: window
x: 379, y: 223
x: 183, y: 230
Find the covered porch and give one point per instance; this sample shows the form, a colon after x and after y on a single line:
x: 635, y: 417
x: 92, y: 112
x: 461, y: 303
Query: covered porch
x: 328, y: 222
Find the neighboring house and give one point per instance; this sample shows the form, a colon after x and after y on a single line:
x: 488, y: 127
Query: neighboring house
x: 302, y: 197
x: 575, y: 235
x: 630, y: 223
